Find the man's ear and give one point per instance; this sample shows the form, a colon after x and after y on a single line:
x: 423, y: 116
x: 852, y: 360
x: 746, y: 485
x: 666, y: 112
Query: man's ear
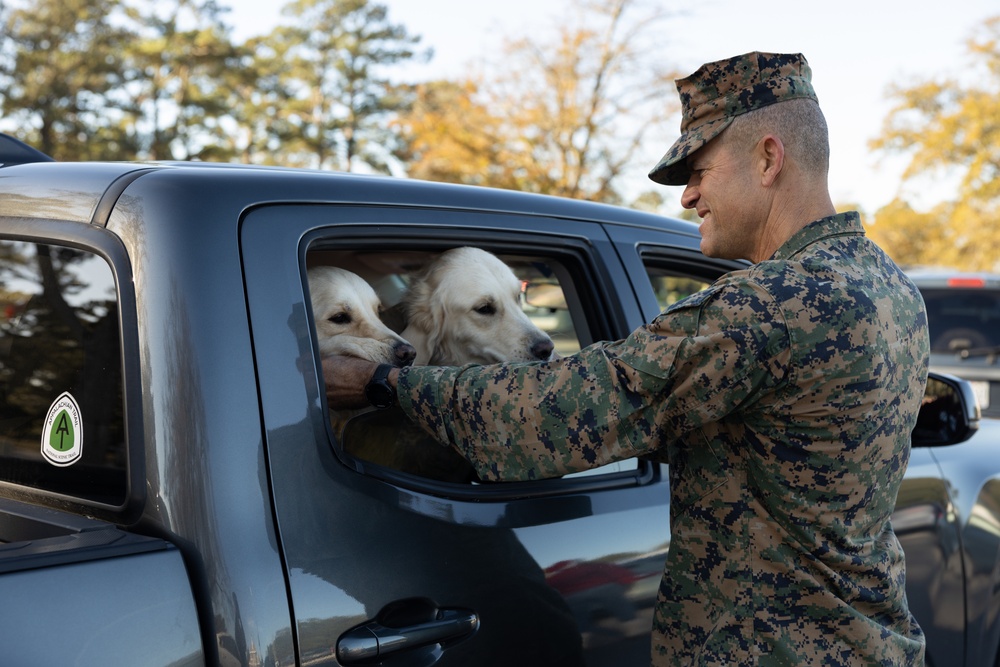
x: 770, y: 159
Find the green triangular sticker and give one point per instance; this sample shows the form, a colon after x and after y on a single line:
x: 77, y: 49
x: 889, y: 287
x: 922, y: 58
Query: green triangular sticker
x: 62, y: 432
x: 62, y: 438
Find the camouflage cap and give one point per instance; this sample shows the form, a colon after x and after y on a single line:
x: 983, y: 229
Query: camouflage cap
x: 720, y: 91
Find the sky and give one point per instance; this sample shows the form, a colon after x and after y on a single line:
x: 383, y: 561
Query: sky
x: 856, y: 48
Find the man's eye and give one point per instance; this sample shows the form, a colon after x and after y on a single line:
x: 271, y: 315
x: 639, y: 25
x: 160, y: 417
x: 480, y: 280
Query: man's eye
x: 486, y: 309
x: 340, y: 318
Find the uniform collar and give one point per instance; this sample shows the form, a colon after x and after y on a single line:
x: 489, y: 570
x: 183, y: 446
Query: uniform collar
x: 840, y: 224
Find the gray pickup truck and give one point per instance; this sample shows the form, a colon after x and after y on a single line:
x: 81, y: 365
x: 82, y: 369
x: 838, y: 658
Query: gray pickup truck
x: 172, y: 493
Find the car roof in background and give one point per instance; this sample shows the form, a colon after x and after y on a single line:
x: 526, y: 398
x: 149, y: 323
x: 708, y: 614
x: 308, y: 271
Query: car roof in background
x: 952, y: 278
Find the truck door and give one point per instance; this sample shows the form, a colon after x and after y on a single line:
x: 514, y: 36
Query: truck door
x: 393, y: 564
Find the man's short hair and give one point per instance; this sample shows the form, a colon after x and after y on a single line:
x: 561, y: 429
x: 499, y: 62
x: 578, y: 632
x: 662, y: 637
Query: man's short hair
x: 799, y: 124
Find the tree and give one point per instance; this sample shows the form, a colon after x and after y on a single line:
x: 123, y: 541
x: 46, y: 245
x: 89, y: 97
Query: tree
x: 453, y: 136
x: 175, y: 98
x: 950, y: 130
x: 916, y: 238
x: 58, y: 63
x: 338, y: 96
x: 566, y: 117
x: 257, y: 103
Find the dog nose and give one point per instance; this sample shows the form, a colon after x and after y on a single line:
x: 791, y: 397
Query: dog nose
x: 542, y: 349
x: 405, y: 354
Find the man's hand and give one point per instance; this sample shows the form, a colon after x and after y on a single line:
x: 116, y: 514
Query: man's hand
x: 345, y: 379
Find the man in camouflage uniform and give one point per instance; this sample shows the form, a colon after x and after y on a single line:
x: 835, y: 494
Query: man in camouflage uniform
x: 782, y: 397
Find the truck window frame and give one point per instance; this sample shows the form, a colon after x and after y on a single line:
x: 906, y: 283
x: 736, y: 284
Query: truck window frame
x: 275, y: 239
x: 591, y: 318
x: 100, y: 243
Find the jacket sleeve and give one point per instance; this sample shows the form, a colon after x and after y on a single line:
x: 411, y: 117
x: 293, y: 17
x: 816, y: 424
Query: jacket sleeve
x: 701, y: 359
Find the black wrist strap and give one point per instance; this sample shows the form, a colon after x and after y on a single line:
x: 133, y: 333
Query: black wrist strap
x: 381, y: 372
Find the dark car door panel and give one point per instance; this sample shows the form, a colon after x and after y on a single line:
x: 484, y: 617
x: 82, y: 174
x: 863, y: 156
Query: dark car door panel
x: 554, y: 564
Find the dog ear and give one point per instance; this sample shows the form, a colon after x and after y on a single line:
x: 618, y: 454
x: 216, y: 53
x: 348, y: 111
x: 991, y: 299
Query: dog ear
x: 435, y: 334
x: 424, y: 322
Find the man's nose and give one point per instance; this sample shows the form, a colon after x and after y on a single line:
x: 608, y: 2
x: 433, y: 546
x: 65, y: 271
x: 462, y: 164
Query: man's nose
x: 689, y: 198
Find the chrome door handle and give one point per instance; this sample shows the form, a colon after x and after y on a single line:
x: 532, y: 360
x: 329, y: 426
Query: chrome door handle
x: 374, y: 640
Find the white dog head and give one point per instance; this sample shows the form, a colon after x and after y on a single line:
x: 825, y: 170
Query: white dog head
x: 465, y: 308
x: 345, y: 308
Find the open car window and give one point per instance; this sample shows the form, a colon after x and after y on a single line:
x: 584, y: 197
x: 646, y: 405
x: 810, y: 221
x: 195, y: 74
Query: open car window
x: 466, y: 315
x: 671, y: 286
x: 544, y: 285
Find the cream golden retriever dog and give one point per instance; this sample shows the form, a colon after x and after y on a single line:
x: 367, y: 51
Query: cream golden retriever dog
x: 464, y: 307
x: 346, y: 311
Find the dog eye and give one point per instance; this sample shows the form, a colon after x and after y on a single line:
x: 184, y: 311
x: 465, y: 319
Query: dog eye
x: 486, y: 309
x: 340, y: 318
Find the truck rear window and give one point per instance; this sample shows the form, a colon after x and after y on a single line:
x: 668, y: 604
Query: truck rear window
x: 962, y: 319
x: 61, y: 416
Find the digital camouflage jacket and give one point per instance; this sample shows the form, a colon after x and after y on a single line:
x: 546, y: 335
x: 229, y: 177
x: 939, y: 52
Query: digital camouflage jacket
x: 782, y: 397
